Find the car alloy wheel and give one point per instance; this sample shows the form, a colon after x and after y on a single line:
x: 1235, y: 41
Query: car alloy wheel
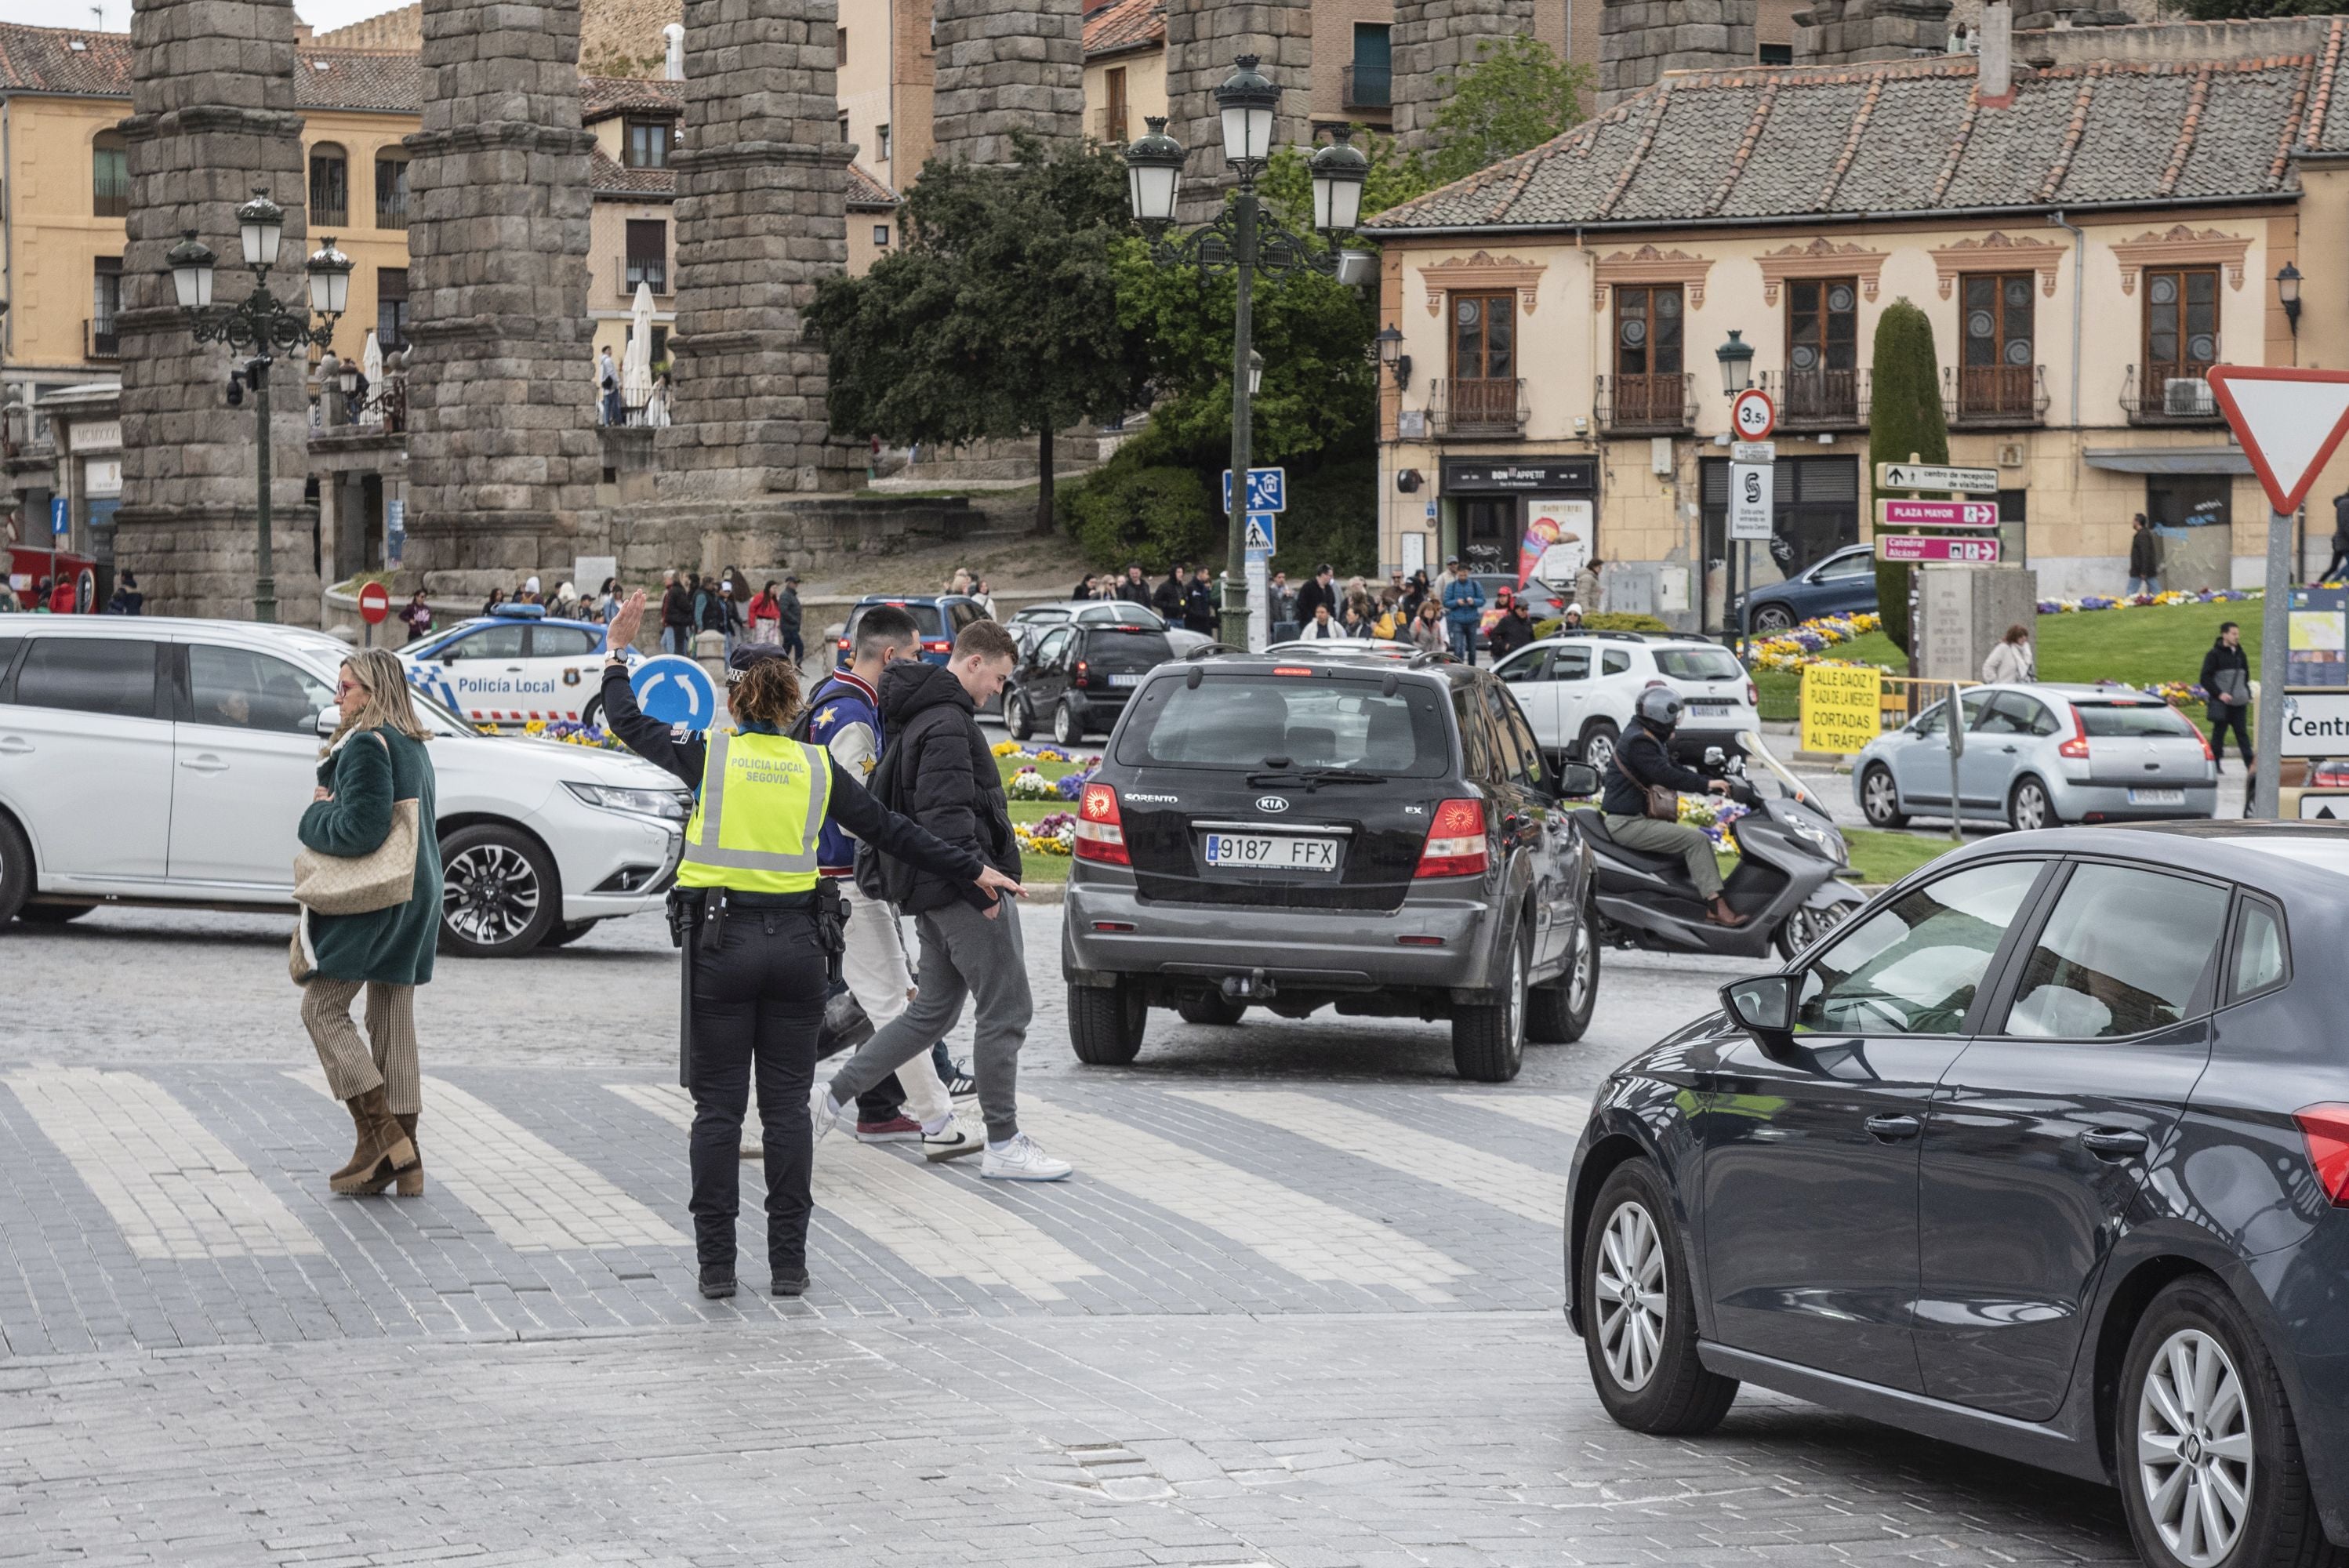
x: 1772, y: 618
x: 2028, y: 809
x: 1598, y: 747
x: 1879, y: 799
x: 1065, y: 728
x: 1631, y: 1299
x: 2195, y: 1454
x: 489, y: 893
x: 1016, y: 717
x: 1583, y: 976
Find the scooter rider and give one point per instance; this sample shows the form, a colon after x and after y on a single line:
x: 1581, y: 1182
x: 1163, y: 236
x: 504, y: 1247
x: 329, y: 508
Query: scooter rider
x: 764, y: 932
x: 1643, y: 760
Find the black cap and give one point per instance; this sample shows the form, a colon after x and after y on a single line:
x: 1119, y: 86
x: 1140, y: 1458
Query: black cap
x: 744, y: 656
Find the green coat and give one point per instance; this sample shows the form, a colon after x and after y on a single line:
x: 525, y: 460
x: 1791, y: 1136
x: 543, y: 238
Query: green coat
x: 393, y: 945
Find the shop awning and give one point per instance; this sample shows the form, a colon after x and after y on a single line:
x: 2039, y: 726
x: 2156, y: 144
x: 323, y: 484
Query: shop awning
x: 2171, y: 459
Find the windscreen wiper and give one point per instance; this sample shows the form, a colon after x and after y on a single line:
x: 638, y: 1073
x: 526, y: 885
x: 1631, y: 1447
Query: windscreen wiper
x: 1314, y: 778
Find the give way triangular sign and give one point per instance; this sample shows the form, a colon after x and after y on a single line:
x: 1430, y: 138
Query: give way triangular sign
x: 2288, y: 419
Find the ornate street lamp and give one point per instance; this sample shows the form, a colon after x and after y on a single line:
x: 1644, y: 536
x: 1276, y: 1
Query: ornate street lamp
x: 1242, y: 241
x: 263, y: 324
x: 1391, y: 355
x: 1737, y: 359
x: 2287, y: 283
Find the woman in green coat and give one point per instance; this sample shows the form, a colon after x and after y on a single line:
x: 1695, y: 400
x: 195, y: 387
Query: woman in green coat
x: 375, y: 761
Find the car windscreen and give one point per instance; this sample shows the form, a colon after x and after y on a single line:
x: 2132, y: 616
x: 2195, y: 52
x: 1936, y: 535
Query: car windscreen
x: 926, y: 621
x: 1315, y: 720
x: 1698, y: 664
x: 2107, y: 719
x: 1126, y: 648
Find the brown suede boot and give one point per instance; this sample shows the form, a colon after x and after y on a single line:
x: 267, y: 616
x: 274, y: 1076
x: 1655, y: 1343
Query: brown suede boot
x: 385, y: 1149
x: 411, y: 1181
x: 361, y: 1150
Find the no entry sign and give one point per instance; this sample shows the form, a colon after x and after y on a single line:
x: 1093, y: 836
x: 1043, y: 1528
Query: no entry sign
x: 1937, y: 514
x: 375, y: 603
x: 1925, y: 547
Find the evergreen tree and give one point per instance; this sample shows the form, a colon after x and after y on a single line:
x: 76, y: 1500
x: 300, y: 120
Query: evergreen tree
x: 1905, y: 420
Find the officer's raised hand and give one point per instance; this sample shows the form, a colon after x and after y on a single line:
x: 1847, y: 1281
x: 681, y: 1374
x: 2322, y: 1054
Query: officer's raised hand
x: 621, y: 635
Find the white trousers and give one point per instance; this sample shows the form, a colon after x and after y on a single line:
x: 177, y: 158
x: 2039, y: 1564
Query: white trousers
x: 877, y: 974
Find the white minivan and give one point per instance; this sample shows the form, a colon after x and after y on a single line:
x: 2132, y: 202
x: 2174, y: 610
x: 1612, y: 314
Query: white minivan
x: 169, y: 762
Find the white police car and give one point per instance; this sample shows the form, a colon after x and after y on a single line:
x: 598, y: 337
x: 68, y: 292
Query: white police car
x: 513, y: 665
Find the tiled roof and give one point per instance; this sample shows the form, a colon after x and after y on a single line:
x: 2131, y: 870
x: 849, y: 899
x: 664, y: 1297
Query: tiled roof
x: 601, y: 97
x: 1126, y: 24
x: 608, y: 178
x: 46, y: 60
x: 866, y: 193
x: 1801, y: 143
x: 358, y: 78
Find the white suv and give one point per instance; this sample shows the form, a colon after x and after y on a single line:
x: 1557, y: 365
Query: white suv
x: 168, y: 761
x: 1579, y: 691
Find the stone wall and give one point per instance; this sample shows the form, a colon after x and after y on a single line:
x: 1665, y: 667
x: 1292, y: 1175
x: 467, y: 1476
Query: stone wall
x: 1840, y: 32
x: 1004, y: 66
x: 1639, y: 40
x: 1432, y: 40
x: 213, y: 117
x: 503, y: 457
x: 1203, y: 38
x: 762, y: 219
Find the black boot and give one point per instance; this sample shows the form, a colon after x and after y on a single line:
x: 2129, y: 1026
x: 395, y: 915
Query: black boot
x: 790, y: 1281
x: 717, y: 1281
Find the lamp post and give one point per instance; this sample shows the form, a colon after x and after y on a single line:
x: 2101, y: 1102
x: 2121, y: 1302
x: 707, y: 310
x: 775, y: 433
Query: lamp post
x: 1735, y: 358
x: 2287, y: 283
x: 262, y: 323
x: 1242, y: 241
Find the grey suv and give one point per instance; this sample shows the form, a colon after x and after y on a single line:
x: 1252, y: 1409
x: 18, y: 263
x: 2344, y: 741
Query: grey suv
x: 1294, y: 834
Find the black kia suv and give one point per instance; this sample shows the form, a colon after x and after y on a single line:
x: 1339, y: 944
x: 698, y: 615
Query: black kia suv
x: 1080, y: 676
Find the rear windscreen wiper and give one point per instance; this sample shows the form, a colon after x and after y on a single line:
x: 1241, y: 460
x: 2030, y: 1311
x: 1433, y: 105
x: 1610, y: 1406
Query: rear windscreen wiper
x: 1313, y: 777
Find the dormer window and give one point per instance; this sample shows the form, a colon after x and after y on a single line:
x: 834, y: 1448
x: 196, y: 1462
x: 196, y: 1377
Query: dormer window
x: 647, y: 143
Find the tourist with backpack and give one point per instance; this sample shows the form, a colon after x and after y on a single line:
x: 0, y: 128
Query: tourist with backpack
x: 940, y: 771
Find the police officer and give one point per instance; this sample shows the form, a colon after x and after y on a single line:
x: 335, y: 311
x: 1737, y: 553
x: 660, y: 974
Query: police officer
x: 763, y: 932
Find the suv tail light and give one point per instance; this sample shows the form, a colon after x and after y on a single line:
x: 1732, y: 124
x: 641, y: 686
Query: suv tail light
x: 938, y: 645
x: 2325, y: 1130
x: 1100, y: 831
x: 2078, y: 747
x: 1455, y: 842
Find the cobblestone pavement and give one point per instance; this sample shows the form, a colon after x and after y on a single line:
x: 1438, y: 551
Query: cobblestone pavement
x: 1298, y: 1307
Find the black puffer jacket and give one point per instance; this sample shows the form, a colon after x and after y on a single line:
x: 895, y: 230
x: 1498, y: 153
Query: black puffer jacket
x: 946, y: 777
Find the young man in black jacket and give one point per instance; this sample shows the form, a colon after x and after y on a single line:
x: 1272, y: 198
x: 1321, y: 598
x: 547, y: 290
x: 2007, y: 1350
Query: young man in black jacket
x: 2226, y: 685
x: 947, y: 782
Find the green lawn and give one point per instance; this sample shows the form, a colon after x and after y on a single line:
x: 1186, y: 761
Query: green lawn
x: 1879, y: 858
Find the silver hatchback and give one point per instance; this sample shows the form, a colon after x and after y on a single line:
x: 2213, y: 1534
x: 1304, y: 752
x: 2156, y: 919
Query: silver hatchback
x: 2035, y: 755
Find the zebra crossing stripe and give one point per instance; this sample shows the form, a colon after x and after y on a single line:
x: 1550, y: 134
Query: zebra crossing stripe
x: 532, y: 1196
x: 1567, y: 1113
x: 1506, y: 1184
x: 172, y: 1188
x: 1290, y: 1230
x: 935, y: 1226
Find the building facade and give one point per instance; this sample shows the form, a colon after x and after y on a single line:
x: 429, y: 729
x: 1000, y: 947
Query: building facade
x: 1561, y: 311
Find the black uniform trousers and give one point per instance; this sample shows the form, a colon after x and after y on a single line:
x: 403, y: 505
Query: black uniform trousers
x: 758, y: 1001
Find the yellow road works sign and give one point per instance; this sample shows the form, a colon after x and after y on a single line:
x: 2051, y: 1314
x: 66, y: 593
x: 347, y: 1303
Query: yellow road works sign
x: 1840, y: 706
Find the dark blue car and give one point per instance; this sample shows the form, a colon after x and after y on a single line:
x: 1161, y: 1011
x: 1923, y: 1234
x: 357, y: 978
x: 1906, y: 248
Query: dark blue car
x: 1843, y: 583
x: 938, y: 617
x: 2043, y: 1152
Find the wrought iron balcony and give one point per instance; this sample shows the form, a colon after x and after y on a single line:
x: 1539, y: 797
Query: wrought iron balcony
x: 1818, y: 399
x: 1481, y: 408
x: 2157, y: 394
x: 1367, y: 87
x: 632, y: 271
x: 1647, y: 405
x: 1983, y: 395
x: 100, y: 340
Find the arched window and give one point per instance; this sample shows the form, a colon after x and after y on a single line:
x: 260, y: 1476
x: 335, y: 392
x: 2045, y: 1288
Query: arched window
x: 110, y: 185
x: 391, y: 187
x: 330, y: 186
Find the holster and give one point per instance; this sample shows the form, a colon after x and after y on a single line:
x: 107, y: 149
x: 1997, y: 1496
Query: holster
x: 686, y: 906
x: 830, y: 926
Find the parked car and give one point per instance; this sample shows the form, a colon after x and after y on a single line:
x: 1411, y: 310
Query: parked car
x: 1080, y: 676
x: 2045, y: 1152
x: 1580, y: 691
x: 1033, y: 621
x: 513, y: 665
x: 2038, y: 755
x: 1843, y: 583
x: 939, y: 618
x: 1350, y: 648
x: 160, y: 761
x: 1382, y: 839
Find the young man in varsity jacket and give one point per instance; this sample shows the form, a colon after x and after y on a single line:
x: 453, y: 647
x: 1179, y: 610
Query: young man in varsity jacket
x: 843, y: 715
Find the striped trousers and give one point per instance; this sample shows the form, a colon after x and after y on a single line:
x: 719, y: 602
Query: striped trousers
x: 386, y: 1058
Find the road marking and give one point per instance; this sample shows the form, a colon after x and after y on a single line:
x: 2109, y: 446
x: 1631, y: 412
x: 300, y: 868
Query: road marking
x: 534, y: 1197
x: 1294, y: 1233
x: 937, y: 1228
x: 1506, y: 1184
x: 173, y: 1190
x: 1567, y: 1113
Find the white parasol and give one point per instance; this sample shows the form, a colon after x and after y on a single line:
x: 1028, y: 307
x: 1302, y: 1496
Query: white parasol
x: 636, y: 364
x: 371, y: 366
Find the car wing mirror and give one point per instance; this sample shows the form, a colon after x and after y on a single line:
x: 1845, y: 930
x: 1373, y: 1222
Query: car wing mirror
x: 330, y: 718
x: 1577, y: 778
x: 1763, y: 1006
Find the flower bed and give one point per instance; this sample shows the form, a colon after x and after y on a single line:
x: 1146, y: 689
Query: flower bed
x: 1029, y: 785
x: 2146, y: 600
x: 1052, y: 835
x: 1791, y: 650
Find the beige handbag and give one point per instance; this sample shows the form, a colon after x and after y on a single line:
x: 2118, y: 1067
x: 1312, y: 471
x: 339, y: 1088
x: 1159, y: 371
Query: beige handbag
x: 357, y: 884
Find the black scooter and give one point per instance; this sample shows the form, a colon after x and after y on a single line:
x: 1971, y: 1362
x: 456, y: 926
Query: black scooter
x: 1788, y: 881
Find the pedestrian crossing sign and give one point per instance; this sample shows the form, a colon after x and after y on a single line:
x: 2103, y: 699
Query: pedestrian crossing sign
x: 1260, y: 530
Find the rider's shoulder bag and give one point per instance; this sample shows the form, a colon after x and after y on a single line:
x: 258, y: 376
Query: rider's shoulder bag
x: 1663, y: 800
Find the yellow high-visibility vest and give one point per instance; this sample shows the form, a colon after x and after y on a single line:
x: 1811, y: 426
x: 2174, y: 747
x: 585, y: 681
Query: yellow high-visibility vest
x: 755, y: 824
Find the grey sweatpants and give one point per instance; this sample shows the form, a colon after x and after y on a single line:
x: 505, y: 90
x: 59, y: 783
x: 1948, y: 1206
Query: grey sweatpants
x: 964, y: 953
x: 1671, y: 839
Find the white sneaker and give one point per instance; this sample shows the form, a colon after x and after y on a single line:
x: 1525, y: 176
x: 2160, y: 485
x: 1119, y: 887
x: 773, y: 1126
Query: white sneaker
x: 822, y: 1115
x: 952, y: 1142
x: 1022, y: 1161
